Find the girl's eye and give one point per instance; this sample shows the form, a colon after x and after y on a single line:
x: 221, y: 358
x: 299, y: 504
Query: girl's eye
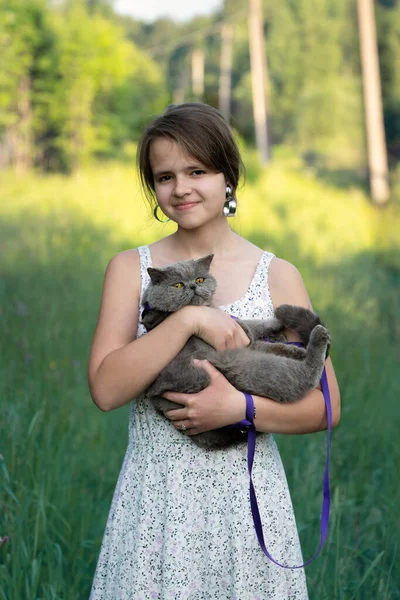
x: 178, y: 285
x: 198, y: 172
x: 200, y: 280
x: 164, y: 178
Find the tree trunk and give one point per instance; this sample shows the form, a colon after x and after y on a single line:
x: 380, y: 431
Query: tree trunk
x: 198, y: 73
x: 18, y: 140
x: 5, y: 151
x: 259, y: 77
x: 377, y: 156
x: 224, y: 101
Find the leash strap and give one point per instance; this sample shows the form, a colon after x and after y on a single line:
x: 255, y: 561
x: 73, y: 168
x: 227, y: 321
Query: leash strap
x: 251, y: 446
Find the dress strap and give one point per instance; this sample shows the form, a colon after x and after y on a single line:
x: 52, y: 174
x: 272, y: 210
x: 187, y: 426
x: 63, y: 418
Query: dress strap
x: 259, y: 287
x: 145, y: 262
x: 267, y: 257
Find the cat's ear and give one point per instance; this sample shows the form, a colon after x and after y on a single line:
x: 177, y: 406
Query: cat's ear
x: 156, y: 275
x: 205, y: 262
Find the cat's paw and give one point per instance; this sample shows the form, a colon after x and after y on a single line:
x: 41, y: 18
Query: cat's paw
x: 320, y: 336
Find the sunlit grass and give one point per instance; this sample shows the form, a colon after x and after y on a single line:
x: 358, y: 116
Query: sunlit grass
x: 60, y: 456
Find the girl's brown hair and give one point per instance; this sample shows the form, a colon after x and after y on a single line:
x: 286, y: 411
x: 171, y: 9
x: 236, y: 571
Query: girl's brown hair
x: 202, y: 132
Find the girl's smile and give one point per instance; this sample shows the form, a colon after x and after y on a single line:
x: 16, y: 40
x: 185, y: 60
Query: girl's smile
x: 185, y: 205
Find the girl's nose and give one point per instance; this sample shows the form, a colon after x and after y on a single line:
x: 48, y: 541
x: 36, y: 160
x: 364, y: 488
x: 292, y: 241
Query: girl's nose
x: 182, y: 188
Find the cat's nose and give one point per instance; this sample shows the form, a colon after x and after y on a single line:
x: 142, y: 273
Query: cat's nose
x: 193, y: 286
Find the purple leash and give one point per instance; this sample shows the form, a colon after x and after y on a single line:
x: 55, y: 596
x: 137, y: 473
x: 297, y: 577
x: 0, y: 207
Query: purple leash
x: 249, y: 423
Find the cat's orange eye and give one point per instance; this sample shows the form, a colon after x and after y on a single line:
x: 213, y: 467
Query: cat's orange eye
x: 178, y: 285
x: 200, y: 280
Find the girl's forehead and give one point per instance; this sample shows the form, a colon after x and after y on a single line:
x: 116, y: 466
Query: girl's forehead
x: 166, y: 152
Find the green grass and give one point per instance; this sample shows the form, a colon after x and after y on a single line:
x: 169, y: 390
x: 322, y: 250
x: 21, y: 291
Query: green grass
x: 60, y: 456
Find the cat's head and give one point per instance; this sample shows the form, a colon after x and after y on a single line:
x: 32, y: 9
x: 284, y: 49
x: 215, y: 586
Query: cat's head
x: 181, y: 284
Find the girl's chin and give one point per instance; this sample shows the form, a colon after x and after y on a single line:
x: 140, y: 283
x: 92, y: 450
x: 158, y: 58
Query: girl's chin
x: 192, y: 219
x: 194, y: 223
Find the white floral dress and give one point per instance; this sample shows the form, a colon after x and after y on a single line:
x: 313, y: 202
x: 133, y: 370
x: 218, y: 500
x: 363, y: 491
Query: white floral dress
x: 180, y: 524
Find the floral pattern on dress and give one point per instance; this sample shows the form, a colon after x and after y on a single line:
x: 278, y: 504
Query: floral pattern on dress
x: 180, y: 525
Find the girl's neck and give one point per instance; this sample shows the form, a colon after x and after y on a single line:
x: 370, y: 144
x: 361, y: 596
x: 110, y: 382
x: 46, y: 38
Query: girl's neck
x: 219, y: 240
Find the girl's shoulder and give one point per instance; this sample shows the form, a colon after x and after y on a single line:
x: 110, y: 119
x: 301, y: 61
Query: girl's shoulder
x: 123, y: 272
x: 126, y: 259
x: 286, y: 284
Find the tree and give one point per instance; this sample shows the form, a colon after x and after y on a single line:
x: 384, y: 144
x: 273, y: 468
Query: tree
x: 72, y: 86
x: 388, y: 30
x: 378, y: 169
x: 22, y: 35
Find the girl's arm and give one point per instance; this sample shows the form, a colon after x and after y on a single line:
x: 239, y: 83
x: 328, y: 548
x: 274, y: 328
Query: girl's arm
x: 120, y: 366
x: 305, y: 416
x: 287, y: 287
x: 221, y: 404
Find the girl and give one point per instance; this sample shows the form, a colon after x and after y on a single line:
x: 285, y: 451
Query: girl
x: 180, y: 524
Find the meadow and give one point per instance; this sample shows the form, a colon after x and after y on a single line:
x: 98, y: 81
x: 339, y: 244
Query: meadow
x: 60, y: 456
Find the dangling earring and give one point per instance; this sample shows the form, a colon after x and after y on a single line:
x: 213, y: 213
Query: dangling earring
x: 230, y: 204
x: 157, y: 217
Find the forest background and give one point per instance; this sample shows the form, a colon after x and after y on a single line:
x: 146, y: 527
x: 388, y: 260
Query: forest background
x: 78, y: 83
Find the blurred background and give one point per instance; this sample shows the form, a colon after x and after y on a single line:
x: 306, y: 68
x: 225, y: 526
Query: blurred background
x: 312, y: 91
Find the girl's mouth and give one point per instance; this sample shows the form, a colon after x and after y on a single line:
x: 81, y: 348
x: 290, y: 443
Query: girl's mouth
x: 185, y: 205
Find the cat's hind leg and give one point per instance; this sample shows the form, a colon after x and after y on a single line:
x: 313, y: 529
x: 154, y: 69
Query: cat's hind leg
x: 317, y: 350
x: 320, y: 341
x: 300, y: 319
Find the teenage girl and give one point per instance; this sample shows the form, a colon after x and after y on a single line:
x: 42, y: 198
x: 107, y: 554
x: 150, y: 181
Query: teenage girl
x: 180, y: 525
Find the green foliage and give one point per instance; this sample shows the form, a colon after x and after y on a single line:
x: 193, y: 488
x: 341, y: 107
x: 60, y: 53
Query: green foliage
x: 90, y: 90
x: 314, y: 91
x: 18, y: 39
x: 28, y: 78
x: 124, y: 110
x: 315, y: 88
x: 107, y: 85
x: 78, y: 81
x: 60, y: 456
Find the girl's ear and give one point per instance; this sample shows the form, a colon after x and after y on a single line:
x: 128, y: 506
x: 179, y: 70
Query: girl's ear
x: 156, y: 275
x: 205, y: 262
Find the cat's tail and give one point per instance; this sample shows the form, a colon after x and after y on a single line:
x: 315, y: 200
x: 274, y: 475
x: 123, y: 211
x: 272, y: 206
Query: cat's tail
x: 301, y: 319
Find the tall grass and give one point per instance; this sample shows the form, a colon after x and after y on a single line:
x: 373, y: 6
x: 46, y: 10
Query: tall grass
x: 60, y: 456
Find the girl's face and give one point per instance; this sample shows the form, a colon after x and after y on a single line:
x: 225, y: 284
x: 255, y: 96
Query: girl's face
x: 187, y: 191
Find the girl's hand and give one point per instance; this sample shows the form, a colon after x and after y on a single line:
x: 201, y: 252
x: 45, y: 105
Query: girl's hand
x: 216, y: 327
x: 217, y: 405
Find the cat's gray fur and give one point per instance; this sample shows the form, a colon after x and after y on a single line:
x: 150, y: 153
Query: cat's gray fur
x: 274, y: 370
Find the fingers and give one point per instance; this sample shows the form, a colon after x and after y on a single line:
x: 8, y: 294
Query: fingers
x: 186, y: 427
x: 179, y: 419
x: 237, y: 338
x: 221, y: 331
x: 207, y: 367
x: 243, y: 338
x: 181, y: 422
x: 178, y: 414
x: 177, y: 397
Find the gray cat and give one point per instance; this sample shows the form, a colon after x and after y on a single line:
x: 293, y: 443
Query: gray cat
x: 274, y: 370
